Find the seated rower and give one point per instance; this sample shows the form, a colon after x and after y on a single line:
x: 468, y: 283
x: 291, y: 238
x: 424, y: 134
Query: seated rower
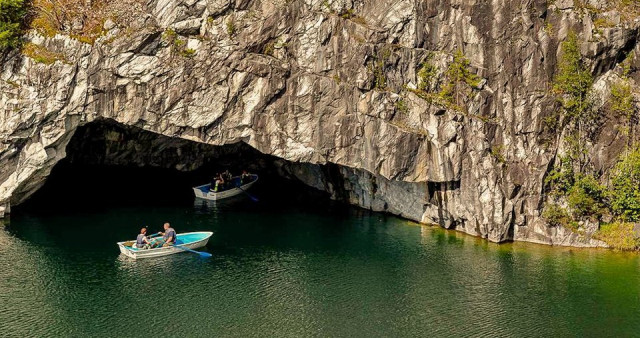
x: 245, y: 177
x: 142, y: 241
x: 169, y: 236
x: 219, y: 184
x: 227, y: 175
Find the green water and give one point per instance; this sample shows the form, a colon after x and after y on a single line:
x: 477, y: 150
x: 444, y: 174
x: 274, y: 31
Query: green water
x: 281, y: 270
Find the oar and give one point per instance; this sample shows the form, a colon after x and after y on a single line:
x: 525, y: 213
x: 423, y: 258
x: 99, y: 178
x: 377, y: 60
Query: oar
x: 251, y: 197
x: 202, y: 254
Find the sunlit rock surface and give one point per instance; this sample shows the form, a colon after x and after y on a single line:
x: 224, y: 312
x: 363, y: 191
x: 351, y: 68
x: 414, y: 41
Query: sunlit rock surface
x: 296, y: 80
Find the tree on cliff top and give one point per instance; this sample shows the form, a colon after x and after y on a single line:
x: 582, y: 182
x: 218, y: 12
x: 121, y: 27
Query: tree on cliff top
x: 12, y: 13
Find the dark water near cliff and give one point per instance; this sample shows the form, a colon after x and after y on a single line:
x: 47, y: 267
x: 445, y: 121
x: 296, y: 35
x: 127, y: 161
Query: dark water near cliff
x: 296, y: 267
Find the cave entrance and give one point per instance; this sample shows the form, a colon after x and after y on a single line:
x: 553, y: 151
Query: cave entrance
x: 109, y: 164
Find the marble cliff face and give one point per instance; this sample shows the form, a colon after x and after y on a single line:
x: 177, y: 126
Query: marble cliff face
x: 331, y: 82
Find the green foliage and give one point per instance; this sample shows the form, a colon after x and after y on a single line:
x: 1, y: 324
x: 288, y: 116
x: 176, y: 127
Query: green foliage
x: 380, y: 78
x: 427, y: 75
x: 575, y: 149
x: 457, y: 84
x: 177, y: 44
x: 561, y: 179
x: 80, y: 20
x: 572, y: 84
x: 401, y: 106
x: 12, y: 13
x: 557, y: 216
x: 326, y: 4
x: 619, y: 235
x: 231, y: 26
x: 188, y: 52
x: 458, y: 78
x: 348, y: 14
x: 497, y: 152
x: 602, y: 22
x: 269, y: 48
x: 170, y: 35
x: 621, y: 99
x: 586, y: 196
x: 625, y: 183
x: 41, y: 54
x: 377, y: 68
x: 573, y: 80
x: 626, y: 64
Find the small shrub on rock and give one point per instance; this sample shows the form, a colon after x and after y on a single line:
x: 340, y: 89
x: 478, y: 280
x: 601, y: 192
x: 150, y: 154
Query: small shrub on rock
x: 619, y: 235
x: 585, y: 197
x: 558, y: 216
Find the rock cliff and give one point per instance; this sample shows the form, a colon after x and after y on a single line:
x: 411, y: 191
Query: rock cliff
x: 333, y: 83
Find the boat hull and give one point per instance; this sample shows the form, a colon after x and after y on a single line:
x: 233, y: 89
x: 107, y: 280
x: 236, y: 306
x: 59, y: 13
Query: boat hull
x: 165, y: 251
x: 203, y: 191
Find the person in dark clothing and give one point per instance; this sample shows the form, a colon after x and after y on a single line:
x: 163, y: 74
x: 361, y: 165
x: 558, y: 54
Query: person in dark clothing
x: 245, y: 177
x: 142, y: 242
x: 169, y: 235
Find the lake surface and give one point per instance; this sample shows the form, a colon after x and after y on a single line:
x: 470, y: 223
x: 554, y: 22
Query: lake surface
x: 290, y: 268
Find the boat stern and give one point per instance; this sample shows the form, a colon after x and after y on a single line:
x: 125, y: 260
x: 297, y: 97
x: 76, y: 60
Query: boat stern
x: 125, y: 251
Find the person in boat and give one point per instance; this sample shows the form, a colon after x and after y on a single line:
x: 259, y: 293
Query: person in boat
x: 245, y: 177
x: 218, y: 184
x: 215, y: 183
x: 226, y: 176
x: 142, y: 241
x: 168, y: 236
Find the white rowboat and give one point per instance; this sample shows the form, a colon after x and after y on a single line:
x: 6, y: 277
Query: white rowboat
x: 205, y: 192
x: 191, y: 240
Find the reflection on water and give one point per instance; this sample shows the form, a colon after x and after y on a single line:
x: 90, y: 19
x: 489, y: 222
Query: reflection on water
x: 303, y: 271
x: 214, y: 208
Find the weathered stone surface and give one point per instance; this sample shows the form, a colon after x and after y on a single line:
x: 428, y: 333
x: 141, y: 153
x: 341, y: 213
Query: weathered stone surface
x: 294, y: 79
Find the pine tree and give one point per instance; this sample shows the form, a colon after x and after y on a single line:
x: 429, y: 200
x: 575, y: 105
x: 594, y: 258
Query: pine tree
x: 458, y: 77
x: 12, y: 14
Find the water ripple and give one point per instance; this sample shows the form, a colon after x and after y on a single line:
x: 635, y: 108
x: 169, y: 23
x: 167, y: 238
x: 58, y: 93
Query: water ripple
x: 307, y: 275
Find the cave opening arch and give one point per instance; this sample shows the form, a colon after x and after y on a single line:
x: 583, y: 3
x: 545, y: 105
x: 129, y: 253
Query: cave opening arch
x: 109, y: 163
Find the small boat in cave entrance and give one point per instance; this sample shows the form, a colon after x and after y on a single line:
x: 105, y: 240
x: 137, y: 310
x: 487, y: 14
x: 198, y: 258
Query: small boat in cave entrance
x: 184, y: 242
x: 236, y: 187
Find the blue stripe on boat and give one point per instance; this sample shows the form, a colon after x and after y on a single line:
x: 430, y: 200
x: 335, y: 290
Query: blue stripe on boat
x: 190, y: 238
